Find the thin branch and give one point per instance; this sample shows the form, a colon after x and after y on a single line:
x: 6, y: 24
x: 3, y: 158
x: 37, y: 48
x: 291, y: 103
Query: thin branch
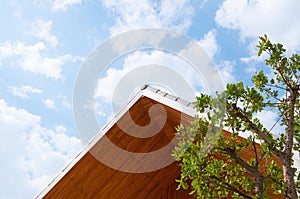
x: 280, y: 100
x: 232, y: 188
x: 275, y: 86
x: 275, y: 123
x: 283, y: 78
x: 276, y: 98
x: 272, y: 103
x: 262, y: 156
x: 248, y: 104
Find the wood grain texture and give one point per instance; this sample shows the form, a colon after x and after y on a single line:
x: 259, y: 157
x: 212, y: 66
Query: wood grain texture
x: 90, y: 178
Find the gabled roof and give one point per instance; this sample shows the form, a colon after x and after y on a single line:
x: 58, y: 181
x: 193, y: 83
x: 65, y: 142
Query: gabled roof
x: 108, y: 166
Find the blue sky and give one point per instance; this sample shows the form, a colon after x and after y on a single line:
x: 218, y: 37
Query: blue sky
x: 43, y: 45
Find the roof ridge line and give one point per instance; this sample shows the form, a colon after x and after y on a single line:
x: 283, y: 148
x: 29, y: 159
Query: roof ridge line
x: 154, y: 90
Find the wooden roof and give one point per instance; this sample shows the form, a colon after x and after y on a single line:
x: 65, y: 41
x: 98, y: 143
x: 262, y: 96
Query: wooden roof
x: 90, y: 177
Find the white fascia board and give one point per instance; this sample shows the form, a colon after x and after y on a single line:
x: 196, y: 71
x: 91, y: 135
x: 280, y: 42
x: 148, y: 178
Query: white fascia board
x: 171, y: 101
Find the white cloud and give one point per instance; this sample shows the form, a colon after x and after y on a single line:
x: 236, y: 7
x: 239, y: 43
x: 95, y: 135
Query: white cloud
x: 99, y: 108
x: 211, y: 73
x: 62, y: 5
x: 49, y: 103
x: 178, y: 68
x: 251, y: 69
x: 225, y: 70
x: 31, y: 58
x: 24, y: 91
x: 253, y: 59
x: 42, y: 30
x: 65, y: 101
x: 203, y: 3
x: 107, y: 84
x: 268, y: 118
x: 176, y: 15
x: 278, y: 19
x: 36, y: 153
x: 209, y: 43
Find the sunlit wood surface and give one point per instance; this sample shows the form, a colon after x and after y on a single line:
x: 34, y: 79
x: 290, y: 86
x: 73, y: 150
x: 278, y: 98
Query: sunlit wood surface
x: 90, y: 178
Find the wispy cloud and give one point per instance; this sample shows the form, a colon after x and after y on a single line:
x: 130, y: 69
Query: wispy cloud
x: 62, y: 5
x: 24, y: 91
x: 42, y: 30
x: 65, y: 102
x: 225, y: 69
x: 209, y: 43
x: 32, y: 58
x: 49, y: 103
x: 176, y: 15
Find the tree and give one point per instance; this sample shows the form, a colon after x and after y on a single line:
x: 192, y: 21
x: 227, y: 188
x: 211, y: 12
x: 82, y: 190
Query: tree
x: 214, y: 167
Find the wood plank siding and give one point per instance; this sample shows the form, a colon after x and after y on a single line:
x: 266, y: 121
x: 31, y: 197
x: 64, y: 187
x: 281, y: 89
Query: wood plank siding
x: 90, y: 178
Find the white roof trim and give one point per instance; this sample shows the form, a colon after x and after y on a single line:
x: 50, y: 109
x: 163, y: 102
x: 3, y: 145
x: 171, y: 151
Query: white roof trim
x: 147, y: 91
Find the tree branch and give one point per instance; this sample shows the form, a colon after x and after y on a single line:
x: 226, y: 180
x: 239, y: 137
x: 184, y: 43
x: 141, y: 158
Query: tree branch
x: 276, y: 98
x: 282, y: 76
x: 273, y: 179
x: 275, y: 86
x: 290, y: 123
x: 275, y: 123
x: 230, y: 187
x: 252, y: 170
x: 255, y: 129
x: 255, y: 151
x: 262, y: 156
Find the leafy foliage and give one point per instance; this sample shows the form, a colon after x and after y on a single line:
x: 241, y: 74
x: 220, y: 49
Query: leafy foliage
x: 215, y: 163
